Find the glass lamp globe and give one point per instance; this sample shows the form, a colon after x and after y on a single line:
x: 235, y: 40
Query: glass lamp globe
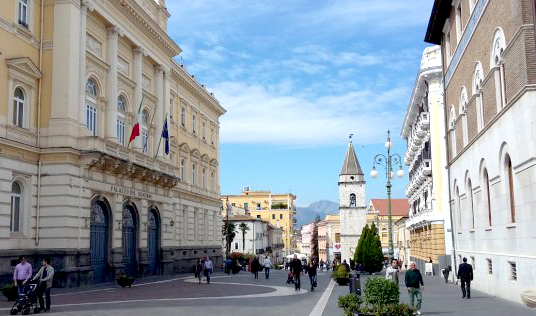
x: 388, y: 145
x: 400, y: 173
x: 374, y: 173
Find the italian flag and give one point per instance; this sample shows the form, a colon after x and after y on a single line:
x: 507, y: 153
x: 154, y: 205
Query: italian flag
x: 136, y: 128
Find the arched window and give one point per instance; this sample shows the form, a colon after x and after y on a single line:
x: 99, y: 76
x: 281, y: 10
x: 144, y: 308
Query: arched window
x: 485, y: 182
x: 212, y: 182
x: 121, y: 119
x: 352, y: 200
x: 510, y: 186
x: 144, y: 131
x: 194, y: 123
x: 470, y: 202
x: 478, y: 78
x: 452, y: 131
x: 463, y: 113
x: 183, y: 117
x: 91, y: 107
x: 16, y: 195
x: 18, y: 107
x: 182, y: 170
x: 497, y: 61
x: 458, y: 210
x: 384, y: 235
x: 203, y: 178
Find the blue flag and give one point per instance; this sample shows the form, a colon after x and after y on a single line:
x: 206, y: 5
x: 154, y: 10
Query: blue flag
x: 165, y: 136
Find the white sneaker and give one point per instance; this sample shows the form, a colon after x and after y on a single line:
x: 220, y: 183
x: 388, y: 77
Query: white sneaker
x: 418, y: 312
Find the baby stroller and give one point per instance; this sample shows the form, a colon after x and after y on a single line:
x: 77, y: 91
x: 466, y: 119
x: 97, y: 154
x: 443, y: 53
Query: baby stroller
x: 290, y: 278
x: 26, y: 300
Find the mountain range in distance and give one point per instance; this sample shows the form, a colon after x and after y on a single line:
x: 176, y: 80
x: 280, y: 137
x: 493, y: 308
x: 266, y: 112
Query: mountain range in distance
x: 306, y: 215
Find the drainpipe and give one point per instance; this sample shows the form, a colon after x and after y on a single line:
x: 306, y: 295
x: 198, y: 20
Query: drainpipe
x: 39, y: 164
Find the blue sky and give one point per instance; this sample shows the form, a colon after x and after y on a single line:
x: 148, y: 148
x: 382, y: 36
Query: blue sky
x: 297, y: 77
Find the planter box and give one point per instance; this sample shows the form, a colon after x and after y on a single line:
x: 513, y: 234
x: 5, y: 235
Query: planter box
x: 10, y: 292
x: 125, y: 282
x: 342, y: 281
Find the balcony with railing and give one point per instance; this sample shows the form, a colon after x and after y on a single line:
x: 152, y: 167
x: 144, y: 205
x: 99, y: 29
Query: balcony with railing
x: 420, y: 170
x: 419, y: 134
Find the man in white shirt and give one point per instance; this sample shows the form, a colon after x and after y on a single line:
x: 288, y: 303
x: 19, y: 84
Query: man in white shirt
x: 391, y: 272
x: 207, y: 267
x: 267, y: 266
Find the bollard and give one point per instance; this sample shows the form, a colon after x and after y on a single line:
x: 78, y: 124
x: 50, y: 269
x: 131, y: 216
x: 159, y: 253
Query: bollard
x: 355, y: 283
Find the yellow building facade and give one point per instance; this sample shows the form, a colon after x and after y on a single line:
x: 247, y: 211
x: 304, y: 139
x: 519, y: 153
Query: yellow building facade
x: 377, y: 213
x: 75, y: 77
x: 278, y: 209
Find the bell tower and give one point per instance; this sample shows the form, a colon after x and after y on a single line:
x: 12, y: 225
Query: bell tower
x: 352, y: 207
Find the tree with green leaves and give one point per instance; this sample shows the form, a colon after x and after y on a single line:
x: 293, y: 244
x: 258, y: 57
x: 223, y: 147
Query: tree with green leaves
x: 228, y: 232
x: 243, y: 227
x: 369, y: 250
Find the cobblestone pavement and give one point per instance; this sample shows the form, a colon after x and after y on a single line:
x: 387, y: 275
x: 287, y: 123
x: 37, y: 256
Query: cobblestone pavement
x: 243, y: 295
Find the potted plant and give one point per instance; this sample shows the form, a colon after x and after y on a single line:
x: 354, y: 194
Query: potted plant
x: 125, y: 280
x: 381, y: 299
x: 350, y: 303
x: 10, y: 291
x: 340, y: 275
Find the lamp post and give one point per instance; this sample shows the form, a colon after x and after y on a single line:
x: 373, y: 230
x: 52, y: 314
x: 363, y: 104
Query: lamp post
x: 227, y: 242
x: 387, y: 161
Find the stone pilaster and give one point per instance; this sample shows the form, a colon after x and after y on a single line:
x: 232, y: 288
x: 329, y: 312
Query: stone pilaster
x: 138, y: 91
x: 159, y: 93
x: 111, y: 95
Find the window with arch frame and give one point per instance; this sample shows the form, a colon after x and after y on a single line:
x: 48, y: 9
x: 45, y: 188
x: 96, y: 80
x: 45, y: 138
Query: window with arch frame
x: 510, y: 188
x: 144, y: 131
x: 471, y: 202
x: 182, y: 171
x: 16, y: 205
x: 194, y: 182
x: 91, y: 106
x: 485, y: 180
x: 19, y: 104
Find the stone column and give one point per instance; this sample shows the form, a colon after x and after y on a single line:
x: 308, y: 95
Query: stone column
x: 166, y: 108
x: 138, y: 91
x: 159, y: 93
x: 111, y: 95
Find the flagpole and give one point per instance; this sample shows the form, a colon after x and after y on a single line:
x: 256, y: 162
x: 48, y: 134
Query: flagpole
x: 160, y: 140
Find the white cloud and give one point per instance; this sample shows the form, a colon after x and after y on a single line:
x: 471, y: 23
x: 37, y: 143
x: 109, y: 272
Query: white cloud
x: 258, y: 116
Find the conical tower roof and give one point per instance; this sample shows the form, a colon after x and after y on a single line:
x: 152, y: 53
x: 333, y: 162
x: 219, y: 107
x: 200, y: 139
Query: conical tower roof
x: 351, y: 164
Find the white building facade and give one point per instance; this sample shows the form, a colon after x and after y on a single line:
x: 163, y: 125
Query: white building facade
x: 490, y: 105
x: 426, y: 157
x: 352, y: 206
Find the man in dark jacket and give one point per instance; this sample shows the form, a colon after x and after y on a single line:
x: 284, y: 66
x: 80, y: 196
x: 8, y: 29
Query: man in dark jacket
x: 465, y: 274
x: 414, y: 283
x: 296, y: 268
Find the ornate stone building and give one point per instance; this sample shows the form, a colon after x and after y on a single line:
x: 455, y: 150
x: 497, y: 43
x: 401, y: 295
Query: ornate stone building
x: 352, y: 206
x: 76, y: 77
x: 427, y: 190
x: 489, y: 59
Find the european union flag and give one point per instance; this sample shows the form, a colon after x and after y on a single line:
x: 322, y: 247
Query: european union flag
x: 165, y: 136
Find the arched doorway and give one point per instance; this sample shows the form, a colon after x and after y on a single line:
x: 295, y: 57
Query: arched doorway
x: 99, y: 240
x: 153, y: 237
x: 129, y: 240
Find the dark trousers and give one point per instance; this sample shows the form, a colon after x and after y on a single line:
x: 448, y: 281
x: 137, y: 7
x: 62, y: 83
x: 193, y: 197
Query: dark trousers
x: 297, y: 281
x: 267, y: 272
x: 256, y: 273
x: 466, y: 288
x: 20, y: 287
x: 312, y: 279
x: 43, y: 289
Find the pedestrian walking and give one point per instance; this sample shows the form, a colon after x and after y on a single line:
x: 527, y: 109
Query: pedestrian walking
x: 414, y: 283
x: 446, y: 273
x: 207, y: 268
x: 346, y: 265
x: 465, y: 274
x: 391, y: 273
x: 199, y: 269
x: 296, y: 269
x: 45, y: 276
x: 22, y: 273
x: 311, y: 270
x: 267, y: 266
x: 256, y: 267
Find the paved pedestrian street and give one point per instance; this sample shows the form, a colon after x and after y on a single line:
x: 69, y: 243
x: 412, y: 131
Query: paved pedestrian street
x: 243, y: 295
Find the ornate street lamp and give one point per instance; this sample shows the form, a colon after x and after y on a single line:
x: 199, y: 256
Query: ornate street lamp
x: 387, y: 161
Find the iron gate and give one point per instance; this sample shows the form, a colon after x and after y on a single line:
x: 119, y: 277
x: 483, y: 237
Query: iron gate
x: 129, y: 241
x: 152, y: 242
x: 98, y: 242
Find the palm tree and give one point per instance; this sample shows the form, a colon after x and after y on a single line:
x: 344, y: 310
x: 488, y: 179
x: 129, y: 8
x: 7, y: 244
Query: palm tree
x: 244, y: 228
x: 228, y: 231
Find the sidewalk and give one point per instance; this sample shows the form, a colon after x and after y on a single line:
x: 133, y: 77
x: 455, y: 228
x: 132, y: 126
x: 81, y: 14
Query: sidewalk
x: 440, y: 298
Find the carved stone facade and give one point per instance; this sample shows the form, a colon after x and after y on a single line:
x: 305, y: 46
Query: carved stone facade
x: 72, y: 186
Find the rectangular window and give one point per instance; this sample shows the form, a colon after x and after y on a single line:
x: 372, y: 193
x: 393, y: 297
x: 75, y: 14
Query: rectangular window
x: 194, y: 123
x: 458, y: 23
x: 246, y: 205
x: 280, y: 216
x: 473, y: 263
x: 513, y: 271
x: 212, y: 136
x: 490, y: 266
x: 193, y: 175
x: 23, y: 13
x: 15, y: 213
x: 91, y: 118
x: 273, y: 216
x: 236, y: 245
x: 171, y: 108
x: 121, y: 131
x: 144, y: 141
x: 204, y: 133
x: 233, y: 204
x: 337, y: 237
x: 183, y: 117
x: 182, y: 174
x: 258, y: 206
